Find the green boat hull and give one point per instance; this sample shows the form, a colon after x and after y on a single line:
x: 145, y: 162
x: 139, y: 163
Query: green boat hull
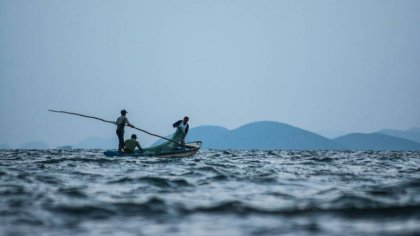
x: 188, y: 150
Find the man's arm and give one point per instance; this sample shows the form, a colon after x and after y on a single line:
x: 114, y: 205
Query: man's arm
x: 177, y: 123
x: 186, y: 129
x: 128, y: 123
x: 138, y: 145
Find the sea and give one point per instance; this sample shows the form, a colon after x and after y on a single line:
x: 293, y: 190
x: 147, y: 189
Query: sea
x: 230, y: 192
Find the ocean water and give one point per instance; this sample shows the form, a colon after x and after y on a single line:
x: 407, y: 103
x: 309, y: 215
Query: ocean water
x: 82, y: 192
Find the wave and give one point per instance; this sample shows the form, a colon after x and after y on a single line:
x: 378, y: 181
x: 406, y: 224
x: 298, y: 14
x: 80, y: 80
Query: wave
x: 154, y: 181
x: 85, y: 211
x: 260, y: 189
x: 104, y: 210
x: 92, y: 159
x: 240, y: 208
x: 12, y: 190
x: 76, y: 192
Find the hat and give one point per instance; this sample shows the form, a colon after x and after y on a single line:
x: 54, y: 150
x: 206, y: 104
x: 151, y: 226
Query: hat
x: 123, y: 112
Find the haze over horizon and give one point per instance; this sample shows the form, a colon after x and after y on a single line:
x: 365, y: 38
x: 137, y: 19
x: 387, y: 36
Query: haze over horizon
x: 324, y: 66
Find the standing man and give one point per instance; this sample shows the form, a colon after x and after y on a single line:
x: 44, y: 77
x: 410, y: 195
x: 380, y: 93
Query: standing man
x: 121, y: 121
x: 182, y: 129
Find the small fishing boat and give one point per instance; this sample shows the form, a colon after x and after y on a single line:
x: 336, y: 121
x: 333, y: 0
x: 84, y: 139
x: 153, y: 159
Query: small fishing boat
x: 187, y: 150
x: 172, y: 148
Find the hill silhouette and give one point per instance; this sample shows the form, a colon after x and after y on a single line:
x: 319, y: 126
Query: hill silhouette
x: 4, y: 146
x: 412, y: 134
x: 376, y: 141
x: 260, y: 135
x: 266, y: 135
x: 34, y: 145
x: 97, y: 143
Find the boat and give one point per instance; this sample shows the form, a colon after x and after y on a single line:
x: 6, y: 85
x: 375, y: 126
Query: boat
x: 168, y: 151
x: 171, y: 148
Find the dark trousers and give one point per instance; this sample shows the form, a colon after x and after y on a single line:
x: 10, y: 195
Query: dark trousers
x: 120, y: 135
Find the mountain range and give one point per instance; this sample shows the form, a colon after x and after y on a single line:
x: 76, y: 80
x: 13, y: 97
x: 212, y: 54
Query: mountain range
x: 267, y: 135
x: 4, y: 146
x: 273, y: 135
x: 376, y: 141
x: 261, y: 135
x: 34, y: 145
x: 412, y: 134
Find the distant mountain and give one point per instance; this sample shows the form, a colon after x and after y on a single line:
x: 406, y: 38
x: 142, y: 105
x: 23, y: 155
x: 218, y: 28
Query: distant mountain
x: 211, y: 132
x: 4, y: 146
x: 65, y: 147
x: 376, y: 141
x: 415, y: 129
x: 330, y: 133
x: 267, y: 135
x: 260, y: 135
x: 97, y: 143
x: 412, y: 134
x: 210, y: 135
x: 34, y: 145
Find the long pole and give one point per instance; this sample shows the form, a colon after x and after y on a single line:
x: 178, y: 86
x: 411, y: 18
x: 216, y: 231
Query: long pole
x: 112, y: 122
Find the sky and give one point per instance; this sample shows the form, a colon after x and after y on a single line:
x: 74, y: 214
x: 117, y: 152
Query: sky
x: 325, y: 66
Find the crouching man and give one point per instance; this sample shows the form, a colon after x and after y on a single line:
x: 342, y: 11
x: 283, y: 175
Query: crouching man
x: 131, y: 144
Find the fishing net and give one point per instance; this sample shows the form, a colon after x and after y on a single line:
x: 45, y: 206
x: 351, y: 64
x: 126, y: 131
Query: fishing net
x: 168, y: 145
x: 172, y: 148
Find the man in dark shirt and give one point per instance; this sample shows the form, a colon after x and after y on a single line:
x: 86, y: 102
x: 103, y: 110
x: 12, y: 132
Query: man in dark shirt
x: 182, y: 127
x: 131, y: 144
x: 121, y: 121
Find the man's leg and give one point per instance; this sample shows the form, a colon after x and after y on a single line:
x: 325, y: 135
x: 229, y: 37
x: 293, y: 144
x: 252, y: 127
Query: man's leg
x: 120, y: 140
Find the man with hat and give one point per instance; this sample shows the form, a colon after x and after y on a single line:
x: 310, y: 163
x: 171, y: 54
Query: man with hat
x: 121, y: 121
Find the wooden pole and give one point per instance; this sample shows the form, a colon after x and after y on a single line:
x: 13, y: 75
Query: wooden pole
x: 113, y: 122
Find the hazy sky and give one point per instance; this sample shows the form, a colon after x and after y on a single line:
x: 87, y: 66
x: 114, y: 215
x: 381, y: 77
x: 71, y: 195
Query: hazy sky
x: 340, y: 66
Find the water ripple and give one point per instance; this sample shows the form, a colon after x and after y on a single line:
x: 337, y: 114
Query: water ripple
x: 253, y: 192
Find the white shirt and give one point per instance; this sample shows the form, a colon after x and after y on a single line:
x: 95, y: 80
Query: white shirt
x: 182, y: 126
